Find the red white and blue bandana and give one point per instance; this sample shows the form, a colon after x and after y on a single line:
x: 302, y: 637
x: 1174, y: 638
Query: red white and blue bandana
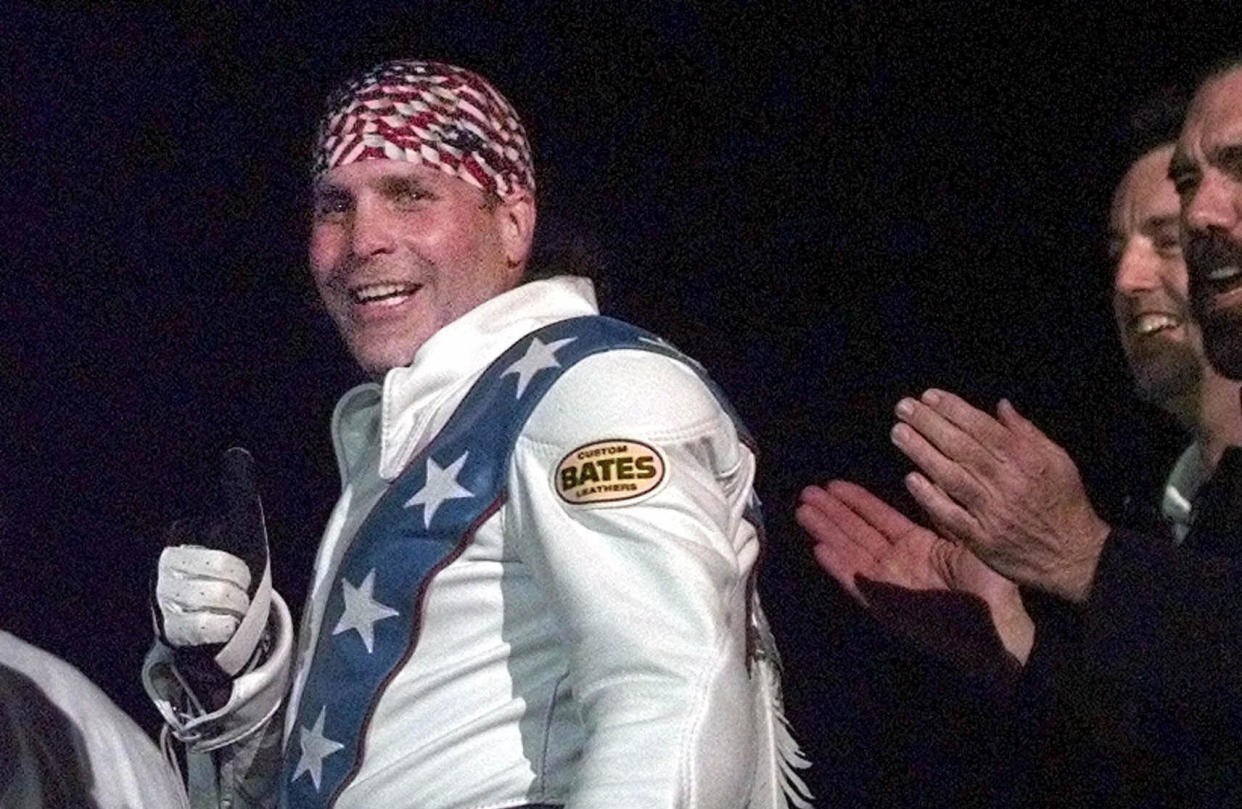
x: 427, y: 112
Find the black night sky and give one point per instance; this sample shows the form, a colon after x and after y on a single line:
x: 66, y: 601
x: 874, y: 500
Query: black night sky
x: 830, y: 204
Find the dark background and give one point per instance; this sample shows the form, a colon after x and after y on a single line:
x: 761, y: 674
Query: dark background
x: 831, y: 205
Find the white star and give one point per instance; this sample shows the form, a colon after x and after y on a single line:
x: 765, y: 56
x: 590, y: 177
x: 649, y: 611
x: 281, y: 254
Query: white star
x: 441, y: 485
x: 537, y: 357
x: 362, y: 610
x: 315, y: 748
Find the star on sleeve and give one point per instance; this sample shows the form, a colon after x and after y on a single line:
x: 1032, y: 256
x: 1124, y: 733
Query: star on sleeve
x: 538, y: 356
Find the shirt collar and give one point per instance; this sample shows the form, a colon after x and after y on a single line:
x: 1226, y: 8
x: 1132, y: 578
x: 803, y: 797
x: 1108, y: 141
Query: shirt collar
x: 1184, y: 480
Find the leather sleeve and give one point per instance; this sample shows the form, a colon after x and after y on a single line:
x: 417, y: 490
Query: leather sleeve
x: 649, y: 592
x: 233, y: 753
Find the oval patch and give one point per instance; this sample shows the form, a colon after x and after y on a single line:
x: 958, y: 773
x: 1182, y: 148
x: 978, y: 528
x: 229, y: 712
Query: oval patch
x: 611, y: 471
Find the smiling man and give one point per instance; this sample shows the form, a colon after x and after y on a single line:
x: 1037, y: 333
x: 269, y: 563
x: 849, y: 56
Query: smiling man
x: 1163, y: 346
x: 1207, y: 171
x: 861, y: 540
x: 399, y: 250
x: 536, y: 588
x: 1149, y: 303
x: 1161, y: 626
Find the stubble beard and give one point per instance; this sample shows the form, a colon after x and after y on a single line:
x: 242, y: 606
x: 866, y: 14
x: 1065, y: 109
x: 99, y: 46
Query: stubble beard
x: 1221, y: 327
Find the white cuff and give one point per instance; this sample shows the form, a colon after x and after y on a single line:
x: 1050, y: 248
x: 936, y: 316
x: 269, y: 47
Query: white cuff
x: 255, y: 696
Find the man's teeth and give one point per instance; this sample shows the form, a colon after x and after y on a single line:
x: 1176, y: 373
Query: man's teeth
x: 379, y: 292
x: 1224, y: 273
x: 1148, y: 324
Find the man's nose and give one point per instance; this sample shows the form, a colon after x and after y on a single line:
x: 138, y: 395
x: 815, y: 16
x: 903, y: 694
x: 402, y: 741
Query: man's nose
x: 1136, y: 269
x: 371, y: 231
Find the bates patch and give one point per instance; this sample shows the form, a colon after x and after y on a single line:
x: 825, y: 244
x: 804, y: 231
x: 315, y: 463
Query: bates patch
x: 612, y: 471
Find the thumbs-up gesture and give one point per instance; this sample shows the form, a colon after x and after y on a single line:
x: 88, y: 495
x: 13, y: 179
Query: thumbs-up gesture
x: 213, y: 584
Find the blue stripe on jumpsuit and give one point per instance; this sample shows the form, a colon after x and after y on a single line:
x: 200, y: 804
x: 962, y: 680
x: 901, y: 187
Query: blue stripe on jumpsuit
x: 424, y: 520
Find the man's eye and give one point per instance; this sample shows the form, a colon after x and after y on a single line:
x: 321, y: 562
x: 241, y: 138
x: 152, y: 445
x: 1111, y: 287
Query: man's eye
x: 1231, y: 161
x: 408, y: 197
x: 328, y: 207
x: 1185, y: 183
x: 1168, y: 245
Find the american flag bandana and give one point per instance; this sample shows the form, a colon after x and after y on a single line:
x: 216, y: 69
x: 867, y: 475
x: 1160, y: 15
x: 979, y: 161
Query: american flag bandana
x: 427, y: 112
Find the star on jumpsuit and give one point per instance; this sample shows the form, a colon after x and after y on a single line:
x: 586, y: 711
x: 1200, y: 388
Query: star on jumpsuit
x: 315, y: 748
x: 441, y: 485
x: 538, y: 356
x: 362, y: 610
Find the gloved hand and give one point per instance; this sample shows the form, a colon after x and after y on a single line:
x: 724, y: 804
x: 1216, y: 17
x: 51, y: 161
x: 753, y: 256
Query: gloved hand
x: 203, y: 594
x: 213, y: 583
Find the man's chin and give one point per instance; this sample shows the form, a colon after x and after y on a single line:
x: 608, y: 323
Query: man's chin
x: 1222, y: 342
x: 375, y: 362
x: 1163, y: 367
x: 380, y: 348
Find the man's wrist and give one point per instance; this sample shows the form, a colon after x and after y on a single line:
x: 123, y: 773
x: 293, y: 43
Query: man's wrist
x: 1073, y: 578
x: 1015, y: 628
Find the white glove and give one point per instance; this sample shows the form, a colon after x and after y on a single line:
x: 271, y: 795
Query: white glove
x: 213, y: 585
x: 201, y: 593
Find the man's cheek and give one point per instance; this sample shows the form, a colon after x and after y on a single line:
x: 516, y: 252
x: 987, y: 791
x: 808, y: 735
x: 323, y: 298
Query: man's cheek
x: 323, y: 250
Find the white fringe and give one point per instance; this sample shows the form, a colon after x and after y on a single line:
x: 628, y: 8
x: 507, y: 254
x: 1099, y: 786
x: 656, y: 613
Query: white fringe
x: 777, y: 782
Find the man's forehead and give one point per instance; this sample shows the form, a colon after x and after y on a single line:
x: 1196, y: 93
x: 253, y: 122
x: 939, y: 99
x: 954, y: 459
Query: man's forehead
x: 1221, y: 94
x: 1145, y: 193
x: 378, y: 173
x: 1215, y: 116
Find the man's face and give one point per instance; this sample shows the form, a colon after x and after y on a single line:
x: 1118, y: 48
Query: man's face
x: 1207, y: 170
x: 398, y: 250
x: 1149, y: 282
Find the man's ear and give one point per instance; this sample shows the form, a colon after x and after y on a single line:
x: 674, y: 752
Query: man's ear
x: 515, y: 215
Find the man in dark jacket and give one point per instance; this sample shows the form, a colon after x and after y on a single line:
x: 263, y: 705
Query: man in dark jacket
x: 1154, y: 656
